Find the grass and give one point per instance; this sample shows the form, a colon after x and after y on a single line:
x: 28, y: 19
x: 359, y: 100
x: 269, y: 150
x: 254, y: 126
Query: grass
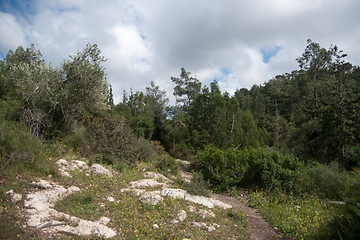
x: 294, y: 217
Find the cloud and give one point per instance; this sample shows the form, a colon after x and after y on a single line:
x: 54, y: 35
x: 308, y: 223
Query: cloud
x: 151, y: 40
x: 12, y: 33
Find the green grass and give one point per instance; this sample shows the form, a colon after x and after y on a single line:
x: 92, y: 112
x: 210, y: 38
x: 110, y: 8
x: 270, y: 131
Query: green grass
x: 295, y: 217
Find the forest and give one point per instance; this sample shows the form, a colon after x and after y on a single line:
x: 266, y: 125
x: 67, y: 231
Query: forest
x: 296, y: 136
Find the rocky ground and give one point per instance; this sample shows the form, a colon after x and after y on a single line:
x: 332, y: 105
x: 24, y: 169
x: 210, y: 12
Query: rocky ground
x: 40, y: 216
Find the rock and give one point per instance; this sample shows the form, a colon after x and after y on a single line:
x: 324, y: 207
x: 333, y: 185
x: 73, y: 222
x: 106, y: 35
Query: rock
x: 182, y: 215
x: 234, y: 213
x: 156, y: 176
x: 205, y: 214
x: 38, y: 207
x: 145, y: 183
x: 111, y: 199
x: 150, y: 198
x: 192, y: 209
x: 73, y: 189
x: 76, y: 164
x: 98, y: 169
x: 209, y: 228
x: 65, y: 166
x: 207, y: 202
x: 155, y: 226
x: 15, y: 197
x: 183, y: 162
x: 136, y: 191
x: 104, y: 220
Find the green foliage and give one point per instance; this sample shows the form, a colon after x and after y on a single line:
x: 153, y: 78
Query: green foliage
x: 223, y: 168
x: 346, y: 224
x: 197, y: 185
x: 167, y: 165
x: 326, y: 181
x: 18, y: 146
x: 295, y: 217
x: 267, y: 168
x: 114, y: 143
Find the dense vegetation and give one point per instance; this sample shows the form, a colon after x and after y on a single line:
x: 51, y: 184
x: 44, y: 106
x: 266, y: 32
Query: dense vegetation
x: 296, y: 136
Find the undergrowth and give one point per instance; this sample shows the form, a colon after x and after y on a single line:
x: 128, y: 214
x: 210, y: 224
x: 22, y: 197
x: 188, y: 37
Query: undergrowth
x: 294, y: 217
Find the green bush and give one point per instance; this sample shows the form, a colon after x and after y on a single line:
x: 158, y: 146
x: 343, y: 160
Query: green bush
x: 167, y: 165
x: 113, y: 142
x: 223, y: 168
x: 346, y: 225
x: 81, y: 141
x: 18, y: 146
x: 247, y: 167
x: 326, y: 181
x: 271, y: 169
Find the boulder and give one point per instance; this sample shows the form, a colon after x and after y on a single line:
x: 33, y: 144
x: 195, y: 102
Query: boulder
x: 150, y: 198
x: 145, y: 183
x: 98, y: 169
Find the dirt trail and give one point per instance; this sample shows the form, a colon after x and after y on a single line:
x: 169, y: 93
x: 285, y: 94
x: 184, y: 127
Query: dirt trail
x: 258, y: 227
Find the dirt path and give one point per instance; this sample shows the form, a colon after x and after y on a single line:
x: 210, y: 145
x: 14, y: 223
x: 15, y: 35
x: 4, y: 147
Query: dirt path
x: 258, y: 227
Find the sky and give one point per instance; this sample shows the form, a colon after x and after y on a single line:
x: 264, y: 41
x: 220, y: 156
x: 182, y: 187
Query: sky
x: 239, y: 43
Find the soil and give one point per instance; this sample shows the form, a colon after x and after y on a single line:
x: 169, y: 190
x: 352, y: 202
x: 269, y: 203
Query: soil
x: 258, y: 227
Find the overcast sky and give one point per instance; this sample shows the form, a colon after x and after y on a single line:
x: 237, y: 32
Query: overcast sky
x: 237, y: 42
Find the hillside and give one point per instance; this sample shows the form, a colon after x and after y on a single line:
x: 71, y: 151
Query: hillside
x: 98, y: 201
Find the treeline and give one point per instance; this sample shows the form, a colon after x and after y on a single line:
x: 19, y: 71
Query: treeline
x: 312, y: 112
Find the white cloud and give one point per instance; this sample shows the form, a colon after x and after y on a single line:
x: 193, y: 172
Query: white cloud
x: 151, y: 40
x: 12, y: 34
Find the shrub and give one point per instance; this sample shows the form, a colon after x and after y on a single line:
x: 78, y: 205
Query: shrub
x: 246, y: 167
x: 271, y: 169
x: 81, y: 141
x: 113, y: 142
x: 18, y: 146
x: 223, y: 168
x: 167, y: 164
x: 327, y: 181
x: 197, y: 186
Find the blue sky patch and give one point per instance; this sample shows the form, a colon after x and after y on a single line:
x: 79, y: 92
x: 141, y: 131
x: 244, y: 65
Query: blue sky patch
x: 268, y: 53
x: 22, y: 7
x: 225, y: 71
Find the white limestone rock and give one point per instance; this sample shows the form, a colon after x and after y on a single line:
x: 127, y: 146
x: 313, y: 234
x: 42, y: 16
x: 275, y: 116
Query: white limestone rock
x: 156, y: 176
x: 15, y: 197
x: 145, y: 183
x: 150, y: 198
x: 98, y: 169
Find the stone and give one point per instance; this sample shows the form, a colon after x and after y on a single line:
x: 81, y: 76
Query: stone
x: 183, y: 162
x: 150, y: 198
x: 234, y: 213
x: 182, y: 215
x: 38, y: 207
x: 205, y: 214
x: 104, y: 220
x: 156, y: 176
x: 192, y: 209
x: 207, y: 202
x: 15, y: 197
x: 209, y: 228
x: 145, y: 183
x: 73, y: 189
x: 98, y: 169
x: 155, y: 226
x: 111, y: 199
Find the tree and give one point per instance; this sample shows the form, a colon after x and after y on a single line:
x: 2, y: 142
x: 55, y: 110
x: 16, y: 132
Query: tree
x: 185, y: 91
x: 86, y: 91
